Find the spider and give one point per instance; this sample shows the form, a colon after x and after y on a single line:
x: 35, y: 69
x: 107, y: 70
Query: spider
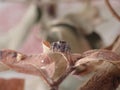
x: 60, y: 46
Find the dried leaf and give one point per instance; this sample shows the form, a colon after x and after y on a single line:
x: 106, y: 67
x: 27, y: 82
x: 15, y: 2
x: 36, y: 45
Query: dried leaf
x: 57, y: 66
x: 46, y: 47
x: 93, y: 59
x: 52, y: 65
x: 25, y: 65
x: 60, y: 64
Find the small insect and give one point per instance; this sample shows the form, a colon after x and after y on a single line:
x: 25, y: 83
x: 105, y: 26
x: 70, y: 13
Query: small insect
x: 60, y: 46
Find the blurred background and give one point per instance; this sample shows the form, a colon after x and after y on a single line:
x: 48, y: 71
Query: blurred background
x: 12, y: 13
x: 24, y: 24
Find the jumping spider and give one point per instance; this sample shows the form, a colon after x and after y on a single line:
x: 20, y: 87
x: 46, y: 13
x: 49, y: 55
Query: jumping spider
x: 60, y: 46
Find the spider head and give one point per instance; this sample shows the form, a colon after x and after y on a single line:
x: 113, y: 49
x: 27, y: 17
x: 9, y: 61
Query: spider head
x: 60, y: 46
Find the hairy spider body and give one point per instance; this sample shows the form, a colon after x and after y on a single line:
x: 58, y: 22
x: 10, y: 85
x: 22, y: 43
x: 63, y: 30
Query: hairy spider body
x: 60, y: 46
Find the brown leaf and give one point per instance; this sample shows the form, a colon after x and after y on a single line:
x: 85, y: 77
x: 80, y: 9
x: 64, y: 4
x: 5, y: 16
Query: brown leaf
x: 52, y: 65
x: 60, y: 64
x: 25, y: 64
x: 93, y: 59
